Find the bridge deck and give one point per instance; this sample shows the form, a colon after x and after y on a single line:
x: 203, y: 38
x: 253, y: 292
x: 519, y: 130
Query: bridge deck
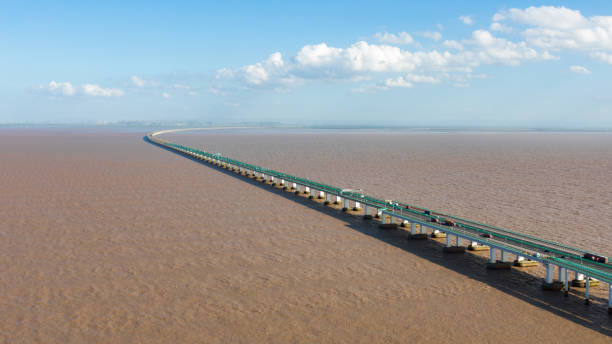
x: 533, y: 247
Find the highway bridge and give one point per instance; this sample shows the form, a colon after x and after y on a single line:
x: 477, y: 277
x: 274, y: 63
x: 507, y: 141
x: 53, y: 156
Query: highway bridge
x: 588, y: 267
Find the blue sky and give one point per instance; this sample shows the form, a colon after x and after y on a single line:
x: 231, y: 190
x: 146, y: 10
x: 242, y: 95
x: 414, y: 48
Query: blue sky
x: 438, y: 63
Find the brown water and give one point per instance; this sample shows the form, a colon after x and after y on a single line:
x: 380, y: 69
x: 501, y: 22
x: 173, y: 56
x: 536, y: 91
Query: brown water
x: 106, y: 238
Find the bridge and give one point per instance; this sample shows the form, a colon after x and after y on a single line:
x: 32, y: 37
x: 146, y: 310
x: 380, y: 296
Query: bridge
x: 588, y: 267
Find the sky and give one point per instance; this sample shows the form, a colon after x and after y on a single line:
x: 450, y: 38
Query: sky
x: 434, y: 63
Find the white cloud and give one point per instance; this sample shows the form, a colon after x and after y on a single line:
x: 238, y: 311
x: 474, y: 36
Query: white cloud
x: 400, y: 38
x: 561, y: 28
x: 452, y: 45
x: 68, y: 89
x: 362, y: 60
x: 431, y: 35
x: 602, y: 56
x: 58, y: 88
x: 493, y: 49
x: 394, y: 66
x: 495, y: 26
x: 142, y: 82
x: 579, y: 70
x: 97, y: 91
x: 166, y: 95
x: 467, y: 20
x: 137, y: 81
x: 416, y: 78
x: 398, y: 82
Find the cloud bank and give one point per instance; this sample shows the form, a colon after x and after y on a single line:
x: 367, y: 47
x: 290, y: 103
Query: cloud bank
x: 543, y: 34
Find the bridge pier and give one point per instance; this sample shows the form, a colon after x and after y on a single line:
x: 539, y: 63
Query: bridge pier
x: 345, y: 205
x: 338, y: 199
x: 437, y: 234
x: 522, y: 262
x: 610, y: 298
x: 475, y: 246
x: 549, y: 268
x: 565, y: 282
x: 586, y: 291
x: 357, y: 206
x: 579, y: 280
x: 495, y: 264
x: 313, y: 192
x: 453, y: 249
x: 549, y: 283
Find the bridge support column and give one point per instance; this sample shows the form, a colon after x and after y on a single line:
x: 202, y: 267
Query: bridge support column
x: 321, y: 194
x: 579, y: 280
x: 282, y: 183
x: 313, y: 192
x: 453, y: 249
x: 549, y: 283
x: 492, y: 255
x: 549, y: 271
x: 357, y: 206
x: 504, y: 256
x: 565, y: 282
x: 383, y: 219
x: 306, y: 189
x: 293, y: 186
x: 586, y: 291
x: 345, y: 205
x: 610, y: 298
x: 297, y: 188
x: 412, y: 228
x: 338, y: 199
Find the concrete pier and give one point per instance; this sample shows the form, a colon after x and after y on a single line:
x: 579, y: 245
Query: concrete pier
x: 475, y: 246
x: 495, y: 264
x: 549, y: 283
x: 453, y: 249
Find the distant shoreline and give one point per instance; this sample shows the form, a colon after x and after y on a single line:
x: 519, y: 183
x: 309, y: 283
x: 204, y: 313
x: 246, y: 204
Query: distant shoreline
x: 134, y: 127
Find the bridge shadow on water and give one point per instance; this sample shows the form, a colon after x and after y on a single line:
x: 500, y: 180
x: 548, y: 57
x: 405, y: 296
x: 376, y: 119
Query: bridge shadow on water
x: 516, y: 282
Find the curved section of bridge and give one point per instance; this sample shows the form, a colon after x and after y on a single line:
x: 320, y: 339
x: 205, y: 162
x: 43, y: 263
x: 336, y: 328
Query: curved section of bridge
x: 588, y: 267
